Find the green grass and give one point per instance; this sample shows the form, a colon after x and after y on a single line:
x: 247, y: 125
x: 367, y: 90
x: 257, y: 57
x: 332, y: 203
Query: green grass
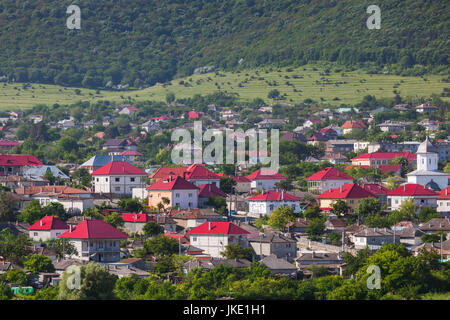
x: 436, y: 296
x: 311, y: 82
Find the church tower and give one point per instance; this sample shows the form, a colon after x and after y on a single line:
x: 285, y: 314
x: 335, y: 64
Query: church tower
x: 427, y: 156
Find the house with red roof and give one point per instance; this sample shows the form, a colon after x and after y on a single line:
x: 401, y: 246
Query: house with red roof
x: 377, y: 190
x: 178, y: 191
x: 131, y: 155
x: 213, y: 236
x: 349, y: 125
x: 351, y: 193
x: 208, y: 190
x: 421, y: 196
x: 128, y: 110
x: 95, y: 240
x: 134, y: 222
x: 198, y: 174
x: 264, y: 179
x: 375, y: 159
x: 117, y: 177
x: 48, y: 227
x: 16, y: 164
x: 265, y: 203
x: 243, y: 184
x: 163, y: 172
x: 326, y: 179
x: 194, y: 115
x: 6, y: 145
x: 443, y: 202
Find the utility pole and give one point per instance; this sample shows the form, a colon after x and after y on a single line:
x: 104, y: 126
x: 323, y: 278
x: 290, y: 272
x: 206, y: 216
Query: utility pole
x: 441, y: 250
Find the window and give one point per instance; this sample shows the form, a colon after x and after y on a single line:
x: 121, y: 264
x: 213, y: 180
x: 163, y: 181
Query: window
x: 97, y: 179
x: 271, y: 207
x: 117, y: 188
x: 106, y: 179
x: 194, y: 239
x: 117, y: 179
x: 352, y: 201
x: 35, y: 234
x: 132, y: 179
x: 177, y: 195
x: 190, y: 195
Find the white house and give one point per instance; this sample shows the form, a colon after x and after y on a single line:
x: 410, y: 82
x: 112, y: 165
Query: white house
x: 374, y: 238
x: 443, y: 202
x: 328, y: 178
x: 95, y: 240
x: 265, y: 203
x: 178, y: 191
x: 198, y: 174
x: 119, y: 177
x: 422, y: 197
x: 264, y: 179
x: 48, y: 227
x: 213, y: 237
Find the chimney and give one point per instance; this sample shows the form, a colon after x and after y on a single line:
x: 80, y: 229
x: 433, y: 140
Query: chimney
x: 41, y: 223
x: 209, y: 225
x: 70, y: 227
x: 313, y: 254
x: 341, y: 189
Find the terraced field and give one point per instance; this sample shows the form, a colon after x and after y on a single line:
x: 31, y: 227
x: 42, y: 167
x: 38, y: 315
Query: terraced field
x: 322, y: 83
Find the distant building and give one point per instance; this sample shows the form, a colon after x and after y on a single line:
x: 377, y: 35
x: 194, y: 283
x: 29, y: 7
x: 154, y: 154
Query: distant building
x: 374, y: 238
x: 351, y: 193
x: 275, y: 243
x: 421, y: 196
x: 265, y: 203
x: 48, y: 227
x: 326, y: 179
x: 264, y: 179
x: 177, y: 190
x: 425, y: 108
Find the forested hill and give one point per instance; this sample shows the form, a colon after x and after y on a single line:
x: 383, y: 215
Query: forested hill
x: 141, y: 42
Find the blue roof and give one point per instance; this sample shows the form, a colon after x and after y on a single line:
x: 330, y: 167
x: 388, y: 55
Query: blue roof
x: 103, y: 160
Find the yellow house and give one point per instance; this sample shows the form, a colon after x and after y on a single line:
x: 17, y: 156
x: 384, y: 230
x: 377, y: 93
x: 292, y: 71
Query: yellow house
x: 178, y: 191
x: 351, y: 193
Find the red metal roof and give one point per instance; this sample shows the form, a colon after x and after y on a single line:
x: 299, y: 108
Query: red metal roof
x: 330, y: 173
x: 412, y: 189
x: 119, y: 168
x: 165, y: 171
x: 49, y: 223
x: 218, y: 228
x: 240, y: 179
x: 19, y: 160
x: 193, y: 115
x: 265, y: 173
x: 93, y: 229
x: 172, y: 183
x: 386, y: 155
x: 444, y: 193
x: 347, y: 191
x: 210, y: 190
x: 375, y: 188
x: 199, y: 171
x: 385, y: 168
x: 136, y: 217
x: 273, y: 195
x: 4, y: 143
x: 131, y: 153
x: 353, y: 124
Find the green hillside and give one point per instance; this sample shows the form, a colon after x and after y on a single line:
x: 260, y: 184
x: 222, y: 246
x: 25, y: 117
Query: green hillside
x: 140, y: 42
x: 323, y: 83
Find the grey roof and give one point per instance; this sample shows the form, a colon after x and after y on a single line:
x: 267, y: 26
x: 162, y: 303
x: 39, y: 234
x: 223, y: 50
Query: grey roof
x: 272, y: 237
x: 409, y: 233
x: 321, y: 256
x: 274, y: 263
x: 41, y: 170
x: 436, y: 224
x: 427, y: 173
x: 103, y: 160
x: 375, y: 232
x: 427, y: 147
x: 209, y: 264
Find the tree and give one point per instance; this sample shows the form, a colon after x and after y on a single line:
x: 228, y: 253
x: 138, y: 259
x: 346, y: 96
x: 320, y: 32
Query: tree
x: 130, y: 205
x: 285, y: 184
x: 38, y: 263
x: 16, y: 276
x: 340, y: 207
x: 93, y: 213
x: 61, y: 247
x: 32, y: 212
x: 368, y: 207
x: 114, y: 219
x: 428, y: 213
x: 315, y: 228
x: 14, y: 248
x: 392, y: 183
x: 408, y: 210
x: 95, y: 283
x: 219, y: 203
x: 335, y: 238
x: 83, y: 177
x: 273, y: 94
x: 152, y: 228
x: 55, y: 209
x: 312, y: 212
x: 5, y: 292
x: 434, y: 237
x: 227, y: 184
x: 161, y: 245
x: 237, y: 252
x: 280, y: 217
x: 50, y: 177
x: 7, y: 203
x: 170, y: 97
